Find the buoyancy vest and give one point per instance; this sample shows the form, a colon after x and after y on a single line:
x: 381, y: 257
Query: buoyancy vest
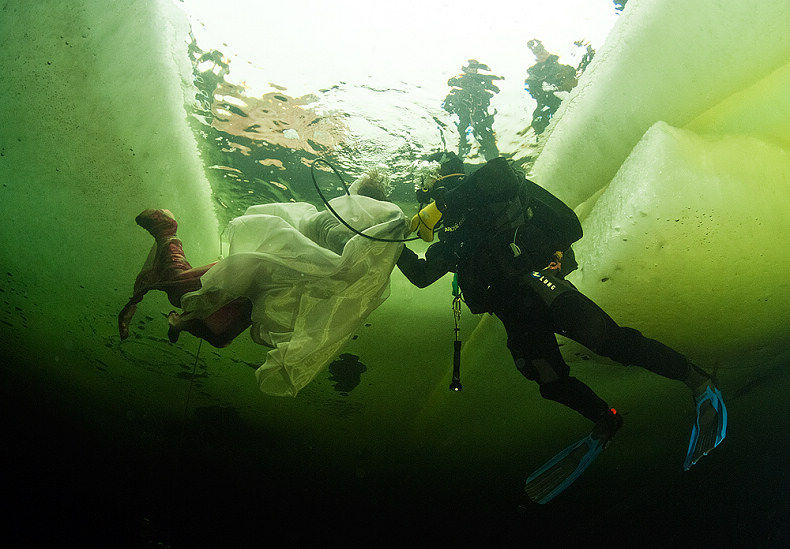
x: 505, y: 226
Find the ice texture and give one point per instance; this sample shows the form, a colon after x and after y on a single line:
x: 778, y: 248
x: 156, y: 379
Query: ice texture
x: 674, y: 152
x: 690, y: 242
x: 664, y: 60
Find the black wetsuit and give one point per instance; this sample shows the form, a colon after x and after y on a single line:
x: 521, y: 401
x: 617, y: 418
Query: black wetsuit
x: 476, y: 244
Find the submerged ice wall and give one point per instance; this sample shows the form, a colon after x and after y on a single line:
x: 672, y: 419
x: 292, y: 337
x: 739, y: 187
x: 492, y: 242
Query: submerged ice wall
x: 92, y: 131
x: 665, y: 60
x: 675, y: 148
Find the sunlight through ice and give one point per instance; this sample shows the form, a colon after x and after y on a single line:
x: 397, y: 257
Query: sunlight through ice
x: 307, y: 45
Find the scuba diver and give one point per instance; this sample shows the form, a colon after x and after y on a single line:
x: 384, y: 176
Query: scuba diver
x: 469, y: 99
x: 509, y: 242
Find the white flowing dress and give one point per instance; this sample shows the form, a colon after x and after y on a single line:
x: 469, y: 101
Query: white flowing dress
x: 311, y: 280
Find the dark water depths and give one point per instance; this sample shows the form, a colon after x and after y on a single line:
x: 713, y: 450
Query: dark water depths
x: 214, y: 480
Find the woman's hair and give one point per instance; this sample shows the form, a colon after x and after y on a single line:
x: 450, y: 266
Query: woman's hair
x: 375, y: 183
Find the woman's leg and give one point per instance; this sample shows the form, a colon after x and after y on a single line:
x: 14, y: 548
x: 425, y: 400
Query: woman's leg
x: 165, y: 269
x: 168, y: 270
x: 219, y: 328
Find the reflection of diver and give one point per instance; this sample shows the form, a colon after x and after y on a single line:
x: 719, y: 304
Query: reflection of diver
x: 589, y: 53
x: 469, y: 99
x: 544, y: 78
x: 508, y: 240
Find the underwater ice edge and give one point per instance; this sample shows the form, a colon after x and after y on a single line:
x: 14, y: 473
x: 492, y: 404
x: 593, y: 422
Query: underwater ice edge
x: 97, y: 184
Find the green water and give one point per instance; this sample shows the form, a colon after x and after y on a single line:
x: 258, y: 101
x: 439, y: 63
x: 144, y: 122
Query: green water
x: 140, y: 442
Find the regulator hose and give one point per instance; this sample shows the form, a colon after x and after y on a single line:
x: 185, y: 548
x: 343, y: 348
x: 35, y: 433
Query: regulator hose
x: 343, y: 221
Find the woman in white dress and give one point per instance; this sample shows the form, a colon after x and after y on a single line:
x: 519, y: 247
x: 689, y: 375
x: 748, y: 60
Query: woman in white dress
x: 298, y: 278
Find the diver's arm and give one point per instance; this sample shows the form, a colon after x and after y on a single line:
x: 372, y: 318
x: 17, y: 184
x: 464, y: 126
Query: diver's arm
x: 424, y: 272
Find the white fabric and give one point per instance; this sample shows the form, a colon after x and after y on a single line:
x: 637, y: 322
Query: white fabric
x: 310, y: 279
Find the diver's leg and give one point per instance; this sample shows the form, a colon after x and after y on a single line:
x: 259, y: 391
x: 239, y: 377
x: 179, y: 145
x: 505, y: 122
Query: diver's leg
x: 576, y: 316
x: 540, y: 119
x: 532, y: 343
x: 463, y: 144
x: 534, y: 347
x: 484, y: 133
x: 464, y: 122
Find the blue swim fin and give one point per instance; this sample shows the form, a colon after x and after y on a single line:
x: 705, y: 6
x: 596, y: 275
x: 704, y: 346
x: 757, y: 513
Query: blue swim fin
x: 560, y: 471
x: 710, y: 427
